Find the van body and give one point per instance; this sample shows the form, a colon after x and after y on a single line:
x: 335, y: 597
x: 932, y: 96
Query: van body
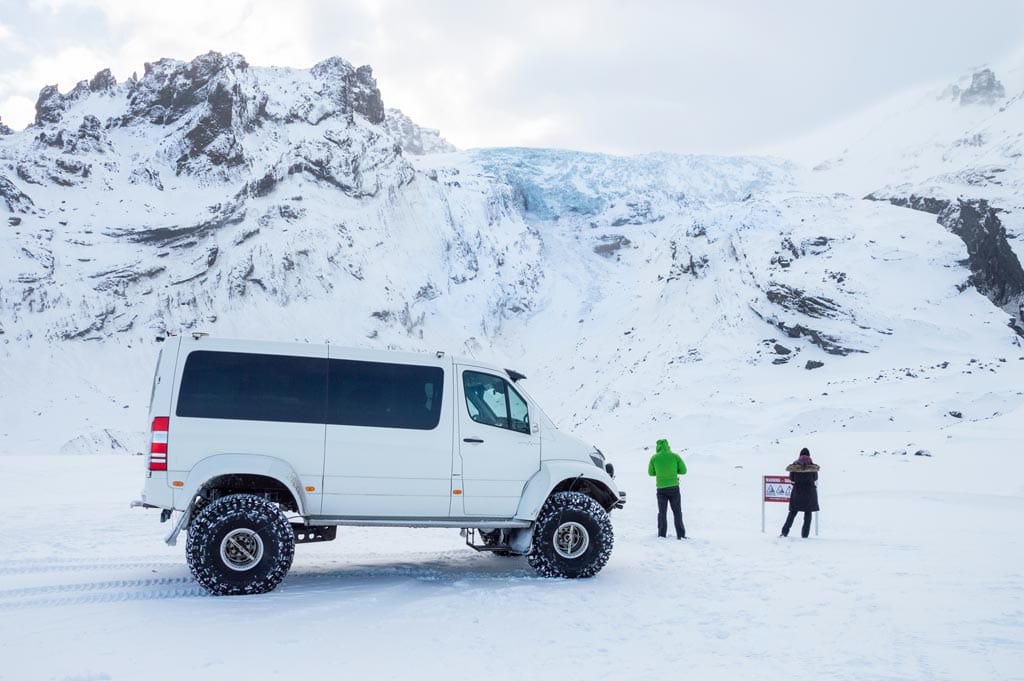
x: 342, y: 436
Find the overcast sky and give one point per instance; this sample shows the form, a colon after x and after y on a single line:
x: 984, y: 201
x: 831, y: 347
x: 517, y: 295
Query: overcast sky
x: 715, y: 76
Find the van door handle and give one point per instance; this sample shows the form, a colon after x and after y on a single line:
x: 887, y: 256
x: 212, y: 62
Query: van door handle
x: 472, y: 439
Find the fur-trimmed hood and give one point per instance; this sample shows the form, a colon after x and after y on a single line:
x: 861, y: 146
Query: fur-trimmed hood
x: 802, y: 468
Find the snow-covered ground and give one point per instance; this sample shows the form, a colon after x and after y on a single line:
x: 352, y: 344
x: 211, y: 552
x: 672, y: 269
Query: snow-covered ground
x: 916, y: 574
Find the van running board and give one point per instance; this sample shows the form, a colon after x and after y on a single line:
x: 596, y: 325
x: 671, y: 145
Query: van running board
x: 470, y: 535
x: 306, y: 534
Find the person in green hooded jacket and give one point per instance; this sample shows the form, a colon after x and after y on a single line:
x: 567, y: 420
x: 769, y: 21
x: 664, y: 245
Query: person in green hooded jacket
x: 666, y: 466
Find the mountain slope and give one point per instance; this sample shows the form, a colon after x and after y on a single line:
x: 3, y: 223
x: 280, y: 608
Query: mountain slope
x: 954, y: 151
x: 288, y: 204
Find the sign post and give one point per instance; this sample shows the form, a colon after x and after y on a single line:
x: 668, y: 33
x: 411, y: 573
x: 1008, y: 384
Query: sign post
x: 778, y: 488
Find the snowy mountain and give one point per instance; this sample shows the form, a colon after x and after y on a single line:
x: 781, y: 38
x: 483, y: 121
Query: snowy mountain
x: 287, y: 203
x: 954, y: 151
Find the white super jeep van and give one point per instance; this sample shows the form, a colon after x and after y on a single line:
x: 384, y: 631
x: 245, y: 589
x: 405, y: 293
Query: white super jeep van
x: 244, y: 431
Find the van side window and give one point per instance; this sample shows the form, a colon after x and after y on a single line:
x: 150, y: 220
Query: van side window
x: 492, y: 401
x: 252, y: 387
x: 383, y: 395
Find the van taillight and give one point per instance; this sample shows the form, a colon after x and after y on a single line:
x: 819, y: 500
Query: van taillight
x: 158, y: 444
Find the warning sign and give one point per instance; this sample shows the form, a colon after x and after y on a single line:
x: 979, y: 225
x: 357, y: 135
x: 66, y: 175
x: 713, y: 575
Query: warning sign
x: 777, y: 488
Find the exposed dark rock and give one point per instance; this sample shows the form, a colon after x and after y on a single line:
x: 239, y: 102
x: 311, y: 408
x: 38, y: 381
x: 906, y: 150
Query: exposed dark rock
x: 925, y: 204
x: 95, y: 326
x: 103, y: 81
x: 427, y: 292
x: 4, y: 130
x: 956, y: 414
x: 73, y: 167
x: 213, y: 135
x: 17, y: 201
x: 824, y: 341
x: 611, y: 244
x: 351, y: 90
x: 118, y: 278
x: 691, y: 266
x: 813, y: 364
x: 781, y: 349
x: 169, y: 89
x: 263, y: 186
x: 90, y: 129
x: 796, y: 300
x: 985, y: 88
x: 996, y: 271
x: 176, y: 236
x: 320, y: 169
x: 827, y: 343
x: 49, y: 105
x: 51, y: 139
x: 639, y: 213
x: 816, y: 246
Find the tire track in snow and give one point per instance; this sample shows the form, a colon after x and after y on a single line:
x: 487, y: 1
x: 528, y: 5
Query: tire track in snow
x: 115, y: 591
x: 23, y: 567
x: 92, y: 586
x: 107, y: 598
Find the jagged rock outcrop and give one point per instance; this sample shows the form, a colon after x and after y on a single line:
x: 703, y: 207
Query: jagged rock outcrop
x: 414, y: 139
x: 350, y: 90
x: 996, y: 271
x: 16, y: 200
x: 985, y: 88
x: 214, y: 102
x: 4, y: 130
x: 170, y: 89
x: 51, y: 104
x: 208, y: 185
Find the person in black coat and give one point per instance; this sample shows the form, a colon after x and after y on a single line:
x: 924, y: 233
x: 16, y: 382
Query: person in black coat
x: 804, y: 474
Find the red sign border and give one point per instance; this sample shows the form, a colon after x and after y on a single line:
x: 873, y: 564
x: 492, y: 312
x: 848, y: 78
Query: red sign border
x: 774, y: 479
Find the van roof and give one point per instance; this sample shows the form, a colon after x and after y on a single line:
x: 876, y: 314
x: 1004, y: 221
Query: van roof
x: 246, y: 344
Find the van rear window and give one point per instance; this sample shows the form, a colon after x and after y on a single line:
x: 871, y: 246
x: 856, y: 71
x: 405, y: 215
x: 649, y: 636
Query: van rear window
x: 252, y: 387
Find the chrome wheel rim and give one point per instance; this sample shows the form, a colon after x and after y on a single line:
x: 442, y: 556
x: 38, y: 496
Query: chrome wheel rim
x: 241, y: 549
x: 571, y: 540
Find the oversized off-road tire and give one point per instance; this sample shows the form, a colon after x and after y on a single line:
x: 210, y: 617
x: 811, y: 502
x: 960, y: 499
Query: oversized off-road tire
x: 240, y: 544
x: 572, y: 538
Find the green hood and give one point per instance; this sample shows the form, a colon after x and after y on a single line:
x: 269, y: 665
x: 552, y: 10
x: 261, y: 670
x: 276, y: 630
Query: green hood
x: 666, y: 466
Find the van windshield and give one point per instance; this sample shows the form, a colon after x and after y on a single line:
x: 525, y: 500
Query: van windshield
x: 544, y: 418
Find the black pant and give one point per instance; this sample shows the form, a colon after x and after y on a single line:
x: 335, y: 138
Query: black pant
x: 805, y: 531
x: 666, y: 496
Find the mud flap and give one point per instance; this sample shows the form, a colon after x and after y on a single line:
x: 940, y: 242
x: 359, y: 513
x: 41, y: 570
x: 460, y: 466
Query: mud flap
x: 172, y: 537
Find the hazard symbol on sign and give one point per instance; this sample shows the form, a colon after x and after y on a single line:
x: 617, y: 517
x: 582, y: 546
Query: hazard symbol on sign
x: 777, y: 488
